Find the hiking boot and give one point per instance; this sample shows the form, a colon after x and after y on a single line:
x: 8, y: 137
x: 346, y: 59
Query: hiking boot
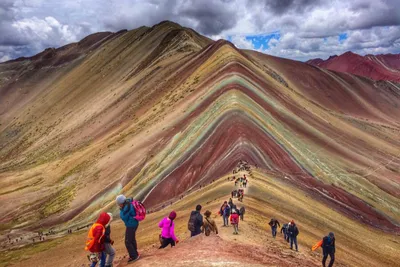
x: 133, y: 260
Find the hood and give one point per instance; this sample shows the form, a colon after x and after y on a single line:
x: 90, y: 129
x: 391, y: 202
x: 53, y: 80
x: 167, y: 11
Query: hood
x: 103, y: 219
x: 195, y: 212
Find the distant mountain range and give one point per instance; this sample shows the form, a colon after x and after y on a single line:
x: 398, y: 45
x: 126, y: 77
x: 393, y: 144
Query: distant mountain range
x: 377, y: 67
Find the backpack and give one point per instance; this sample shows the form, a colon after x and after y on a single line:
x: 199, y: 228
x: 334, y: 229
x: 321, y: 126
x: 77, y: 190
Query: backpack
x: 207, y: 228
x: 140, y: 210
x: 192, y: 222
x: 234, y: 218
x: 90, y: 238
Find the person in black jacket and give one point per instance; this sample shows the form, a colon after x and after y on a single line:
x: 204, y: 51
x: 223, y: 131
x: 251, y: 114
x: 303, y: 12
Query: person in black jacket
x: 274, y: 226
x: 328, y: 248
x: 241, y: 213
x: 284, y: 231
x: 195, y: 222
x: 293, y: 232
x: 108, y: 242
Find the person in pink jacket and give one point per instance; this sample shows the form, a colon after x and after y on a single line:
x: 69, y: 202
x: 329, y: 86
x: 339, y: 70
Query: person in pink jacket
x: 168, y: 231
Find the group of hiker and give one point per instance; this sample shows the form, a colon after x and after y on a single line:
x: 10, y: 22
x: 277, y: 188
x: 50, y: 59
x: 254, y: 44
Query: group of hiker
x: 243, y: 165
x: 290, y: 233
x: 241, y: 181
x: 239, y: 194
x: 99, y: 241
x: 289, y: 230
x: 229, y: 210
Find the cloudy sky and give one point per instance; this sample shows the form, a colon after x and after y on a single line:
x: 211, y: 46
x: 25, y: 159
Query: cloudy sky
x: 296, y: 29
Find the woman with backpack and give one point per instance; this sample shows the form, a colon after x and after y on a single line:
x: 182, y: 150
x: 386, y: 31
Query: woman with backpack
x: 235, y: 221
x: 128, y: 214
x: 167, y: 236
x: 209, y: 224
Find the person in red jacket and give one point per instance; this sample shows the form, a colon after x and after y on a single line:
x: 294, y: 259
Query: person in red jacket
x: 95, y: 241
x: 235, y: 221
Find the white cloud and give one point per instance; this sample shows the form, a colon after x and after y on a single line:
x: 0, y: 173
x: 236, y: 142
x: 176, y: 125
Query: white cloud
x: 4, y: 58
x: 242, y: 42
x: 307, y: 27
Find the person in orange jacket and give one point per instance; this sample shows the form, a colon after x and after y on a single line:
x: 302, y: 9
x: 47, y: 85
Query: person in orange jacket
x: 96, y: 239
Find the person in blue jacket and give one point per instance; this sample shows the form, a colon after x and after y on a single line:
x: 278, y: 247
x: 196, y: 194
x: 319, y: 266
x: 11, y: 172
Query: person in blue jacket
x: 328, y: 247
x: 127, y: 214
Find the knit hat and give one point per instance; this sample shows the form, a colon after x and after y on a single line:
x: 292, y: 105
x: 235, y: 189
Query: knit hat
x: 172, y: 215
x: 120, y: 199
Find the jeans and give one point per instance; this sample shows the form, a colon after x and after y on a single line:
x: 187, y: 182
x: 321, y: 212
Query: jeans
x: 226, y: 220
x: 166, y: 242
x: 102, y: 260
x: 110, y: 253
x: 326, y: 256
x: 130, y: 242
x: 274, y: 231
x: 293, y: 239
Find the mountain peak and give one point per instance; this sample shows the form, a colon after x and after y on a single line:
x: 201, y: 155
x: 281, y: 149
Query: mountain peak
x: 376, y: 67
x: 350, y: 54
x: 167, y: 23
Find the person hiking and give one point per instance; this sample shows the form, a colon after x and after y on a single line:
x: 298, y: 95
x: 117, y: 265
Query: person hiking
x: 235, y: 222
x: 209, y: 225
x: 195, y: 222
x: 241, y: 195
x: 230, y: 203
x: 128, y: 214
x: 108, y: 242
x: 293, y: 232
x: 274, y: 226
x: 242, y: 211
x: 284, y: 231
x: 226, y: 213
x: 95, y: 240
x: 168, y: 231
x: 328, y: 248
x: 222, y: 212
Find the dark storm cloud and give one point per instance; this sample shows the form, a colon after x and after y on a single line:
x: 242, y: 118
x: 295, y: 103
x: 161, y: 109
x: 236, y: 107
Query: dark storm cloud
x: 211, y: 21
x: 28, y: 27
x: 283, y: 6
x: 210, y: 17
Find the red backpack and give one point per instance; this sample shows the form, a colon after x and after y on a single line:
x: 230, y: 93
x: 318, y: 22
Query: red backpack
x: 140, y: 210
x: 91, y: 241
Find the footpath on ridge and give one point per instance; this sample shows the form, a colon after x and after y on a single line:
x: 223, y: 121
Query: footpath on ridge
x: 252, y: 247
